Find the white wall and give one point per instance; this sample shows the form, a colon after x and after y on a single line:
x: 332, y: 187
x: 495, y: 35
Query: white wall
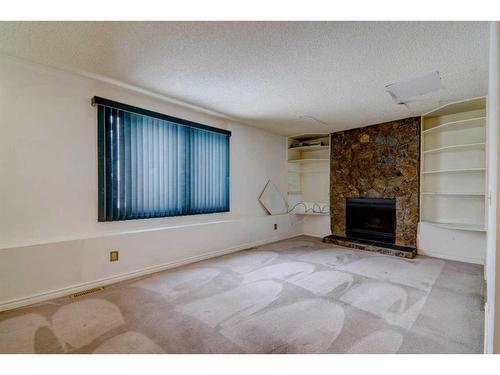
x: 317, y: 226
x: 460, y: 245
x: 50, y: 240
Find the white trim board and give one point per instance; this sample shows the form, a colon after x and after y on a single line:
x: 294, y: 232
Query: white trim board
x: 315, y: 235
x: 66, y: 291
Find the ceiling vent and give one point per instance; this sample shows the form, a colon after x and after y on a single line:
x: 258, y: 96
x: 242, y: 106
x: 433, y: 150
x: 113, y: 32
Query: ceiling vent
x: 403, y: 91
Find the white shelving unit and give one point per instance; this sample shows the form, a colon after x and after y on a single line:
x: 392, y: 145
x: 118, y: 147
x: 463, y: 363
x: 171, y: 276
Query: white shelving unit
x: 453, y: 176
x: 453, y: 143
x: 308, y: 160
x: 309, y: 180
x: 464, y: 170
x: 313, y: 213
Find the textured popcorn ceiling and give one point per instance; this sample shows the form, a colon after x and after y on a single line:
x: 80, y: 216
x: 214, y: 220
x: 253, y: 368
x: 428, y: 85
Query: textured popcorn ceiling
x: 286, y: 77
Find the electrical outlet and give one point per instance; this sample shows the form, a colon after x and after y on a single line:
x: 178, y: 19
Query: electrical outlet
x: 113, y: 256
x: 275, y: 226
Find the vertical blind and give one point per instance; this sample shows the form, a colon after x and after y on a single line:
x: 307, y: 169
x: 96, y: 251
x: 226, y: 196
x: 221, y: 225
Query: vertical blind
x: 154, y: 165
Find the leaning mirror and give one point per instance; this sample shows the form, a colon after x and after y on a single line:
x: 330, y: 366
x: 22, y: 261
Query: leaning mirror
x: 272, y: 200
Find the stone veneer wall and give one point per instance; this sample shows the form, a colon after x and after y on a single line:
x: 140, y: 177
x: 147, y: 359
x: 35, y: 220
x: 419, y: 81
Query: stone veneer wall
x: 378, y: 161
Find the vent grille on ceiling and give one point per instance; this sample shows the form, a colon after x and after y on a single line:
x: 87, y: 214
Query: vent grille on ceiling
x: 402, y: 91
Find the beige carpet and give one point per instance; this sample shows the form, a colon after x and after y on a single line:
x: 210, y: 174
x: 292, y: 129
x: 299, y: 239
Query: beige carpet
x: 294, y: 296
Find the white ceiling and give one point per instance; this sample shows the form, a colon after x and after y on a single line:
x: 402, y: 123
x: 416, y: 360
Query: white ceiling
x: 274, y: 75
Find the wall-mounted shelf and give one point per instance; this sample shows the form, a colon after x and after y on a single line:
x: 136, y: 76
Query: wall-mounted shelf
x: 453, y: 166
x: 310, y: 148
x: 459, y: 194
x: 466, y: 170
x: 467, y: 146
x: 309, y: 179
x: 468, y: 123
x: 459, y: 226
x: 306, y: 160
x: 313, y: 213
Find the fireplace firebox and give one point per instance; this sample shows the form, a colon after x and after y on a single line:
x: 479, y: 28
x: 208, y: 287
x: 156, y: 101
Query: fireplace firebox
x: 371, y: 219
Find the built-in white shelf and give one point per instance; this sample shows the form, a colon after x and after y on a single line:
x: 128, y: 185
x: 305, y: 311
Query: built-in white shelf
x: 469, y: 123
x: 312, y: 213
x: 310, y: 148
x: 460, y: 226
x: 306, y: 160
x: 465, y: 170
x: 453, y: 173
x: 309, y: 177
x: 309, y: 172
x: 473, y: 194
x: 468, y: 146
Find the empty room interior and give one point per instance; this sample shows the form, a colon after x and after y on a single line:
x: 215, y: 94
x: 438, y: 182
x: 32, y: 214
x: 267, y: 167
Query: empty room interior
x: 249, y: 187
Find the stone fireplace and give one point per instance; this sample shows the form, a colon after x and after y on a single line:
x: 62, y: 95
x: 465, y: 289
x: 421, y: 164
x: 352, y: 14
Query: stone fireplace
x: 377, y: 164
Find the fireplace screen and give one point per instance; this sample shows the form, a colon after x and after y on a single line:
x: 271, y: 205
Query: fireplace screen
x: 371, y: 219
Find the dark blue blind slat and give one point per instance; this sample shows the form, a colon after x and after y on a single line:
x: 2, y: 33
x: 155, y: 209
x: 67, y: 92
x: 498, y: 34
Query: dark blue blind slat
x: 207, y: 158
x: 123, y: 172
x: 127, y: 129
x: 152, y: 167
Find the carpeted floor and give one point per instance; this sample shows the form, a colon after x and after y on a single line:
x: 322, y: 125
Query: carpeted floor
x: 294, y: 296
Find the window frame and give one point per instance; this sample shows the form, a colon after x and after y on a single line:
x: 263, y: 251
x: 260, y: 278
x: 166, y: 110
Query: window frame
x: 102, y: 161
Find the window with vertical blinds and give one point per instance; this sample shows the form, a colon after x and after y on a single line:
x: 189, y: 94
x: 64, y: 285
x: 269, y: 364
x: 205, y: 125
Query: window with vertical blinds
x: 154, y: 165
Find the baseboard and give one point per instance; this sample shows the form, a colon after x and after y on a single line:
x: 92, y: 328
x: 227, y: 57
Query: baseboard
x: 62, y: 292
x: 316, y: 235
x: 450, y: 257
